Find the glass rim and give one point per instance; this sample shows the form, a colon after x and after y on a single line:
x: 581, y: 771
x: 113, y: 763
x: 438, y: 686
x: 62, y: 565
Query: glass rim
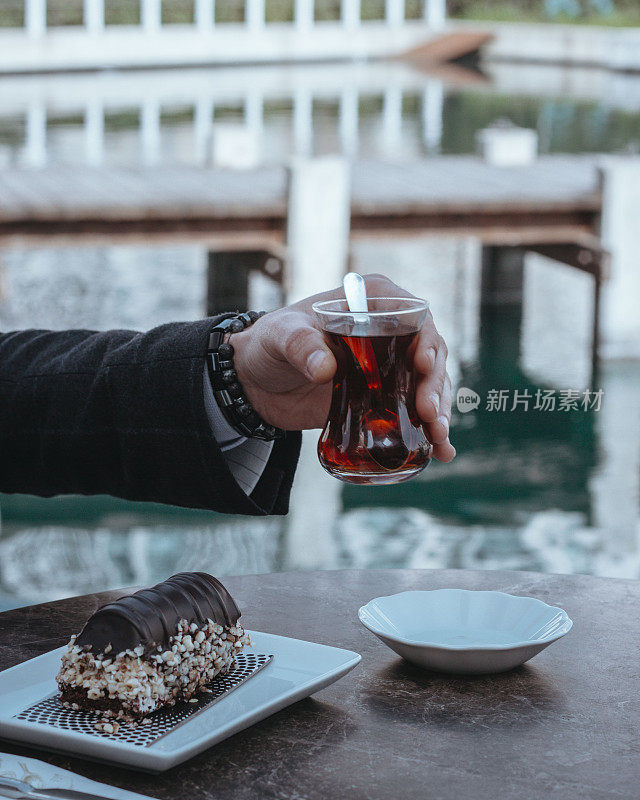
x: 418, y: 305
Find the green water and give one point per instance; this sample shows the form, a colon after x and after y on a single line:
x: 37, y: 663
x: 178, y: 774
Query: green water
x: 564, y: 125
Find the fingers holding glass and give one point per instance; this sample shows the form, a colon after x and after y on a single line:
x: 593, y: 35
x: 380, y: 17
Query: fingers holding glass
x: 430, y: 388
x: 443, y: 450
x: 429, y: 343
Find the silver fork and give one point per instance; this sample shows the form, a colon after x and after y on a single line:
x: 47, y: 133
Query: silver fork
x: 21, y: 790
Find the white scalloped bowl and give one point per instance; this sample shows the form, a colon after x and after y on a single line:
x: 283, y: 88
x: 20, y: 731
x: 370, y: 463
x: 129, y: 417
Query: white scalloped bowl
x: 464, y: 632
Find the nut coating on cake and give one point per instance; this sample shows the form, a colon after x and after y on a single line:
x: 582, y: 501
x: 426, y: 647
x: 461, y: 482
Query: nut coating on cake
x: 152, y: 648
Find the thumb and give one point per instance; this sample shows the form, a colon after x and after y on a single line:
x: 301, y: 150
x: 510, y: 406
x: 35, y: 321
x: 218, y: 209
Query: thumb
x: 304, y: 347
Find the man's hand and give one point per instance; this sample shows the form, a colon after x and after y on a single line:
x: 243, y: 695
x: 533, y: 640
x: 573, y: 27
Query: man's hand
x: 285, y: 367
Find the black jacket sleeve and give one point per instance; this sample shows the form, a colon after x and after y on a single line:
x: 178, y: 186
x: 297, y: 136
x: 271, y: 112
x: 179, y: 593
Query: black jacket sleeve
x: 122, y: 413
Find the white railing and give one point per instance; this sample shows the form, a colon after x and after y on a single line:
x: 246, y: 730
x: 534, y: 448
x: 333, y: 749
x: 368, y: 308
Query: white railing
x: 35, y: 152
x: 43, y: 99
x: 94, y: 19
x: 96, y: 43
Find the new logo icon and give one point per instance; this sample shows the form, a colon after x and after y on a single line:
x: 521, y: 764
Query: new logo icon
x: 467, y: 399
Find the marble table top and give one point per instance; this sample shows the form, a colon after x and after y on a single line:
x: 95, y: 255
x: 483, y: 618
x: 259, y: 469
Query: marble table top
x: 565, y: 725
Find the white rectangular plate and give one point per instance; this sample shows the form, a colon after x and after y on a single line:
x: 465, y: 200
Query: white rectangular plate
x: 298, y: 669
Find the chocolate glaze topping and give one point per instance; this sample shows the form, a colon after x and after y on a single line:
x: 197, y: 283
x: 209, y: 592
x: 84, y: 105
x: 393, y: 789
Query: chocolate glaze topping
x: 151, y: 616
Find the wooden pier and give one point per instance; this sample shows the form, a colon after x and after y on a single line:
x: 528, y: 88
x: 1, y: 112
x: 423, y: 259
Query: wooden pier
x: 556, y: 199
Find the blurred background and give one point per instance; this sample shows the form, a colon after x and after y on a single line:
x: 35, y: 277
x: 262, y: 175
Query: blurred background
x: 161, y: 161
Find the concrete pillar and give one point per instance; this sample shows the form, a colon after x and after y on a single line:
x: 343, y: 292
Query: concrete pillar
x: 303, y: 14
x: 392, y: 120
x: 139, y: 546
x: 205, y: 14
x: 303, y: 122
x: 350, y: 13
x: 318, y: 240
x: 550, y: 324
x: 35, y: 18
x: 620, y: 322
x: 394, y: 12
x: 614, y: 486
x: 318, y: 225
x: 435, y: 13
x: 253, y: 115
x: 316, y: 502
x: 466, y: 308
x: 432, y: 108
x: 202, y: 133
x: 94, y: 16
x: 150, y: 132
x: 94, y: 132
x: 151, y: 15
x: 35, y: 150
x: 349, y: 121
x: 506, y: 145
x: 4, y: 295
x: 255, y: 14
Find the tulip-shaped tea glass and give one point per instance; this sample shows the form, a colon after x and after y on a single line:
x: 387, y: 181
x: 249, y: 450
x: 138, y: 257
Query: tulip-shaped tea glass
x: 373, y: 434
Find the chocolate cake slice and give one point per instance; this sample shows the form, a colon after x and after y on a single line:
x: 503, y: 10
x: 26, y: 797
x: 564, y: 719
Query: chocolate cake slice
x: 152, y: 648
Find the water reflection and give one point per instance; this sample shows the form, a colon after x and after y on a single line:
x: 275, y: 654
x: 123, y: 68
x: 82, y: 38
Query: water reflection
x: 529, y: 490
x: 393, y: 110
